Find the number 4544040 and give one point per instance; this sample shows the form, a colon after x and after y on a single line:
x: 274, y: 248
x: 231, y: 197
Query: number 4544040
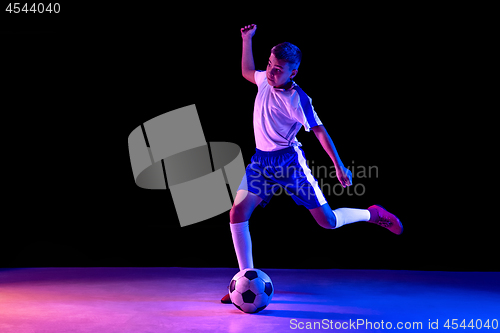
x: 477, y: 324
x: 17, y: 7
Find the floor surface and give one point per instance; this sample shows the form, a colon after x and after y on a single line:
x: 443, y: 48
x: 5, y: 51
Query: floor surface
x: 103, y: 300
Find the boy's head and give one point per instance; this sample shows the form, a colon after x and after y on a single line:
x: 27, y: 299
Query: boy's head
x: 283, y: 64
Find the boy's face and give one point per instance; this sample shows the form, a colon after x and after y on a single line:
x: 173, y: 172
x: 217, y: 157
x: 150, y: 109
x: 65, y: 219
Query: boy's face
x: 279, y: 72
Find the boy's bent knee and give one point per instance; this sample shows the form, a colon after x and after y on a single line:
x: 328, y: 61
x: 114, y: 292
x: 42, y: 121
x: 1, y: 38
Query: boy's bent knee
x: 324, y: 216
x: 330, y: 222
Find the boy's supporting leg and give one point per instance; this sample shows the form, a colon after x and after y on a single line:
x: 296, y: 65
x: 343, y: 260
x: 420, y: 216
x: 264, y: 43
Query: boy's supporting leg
x: 244, y: 205
x: 242, y: 244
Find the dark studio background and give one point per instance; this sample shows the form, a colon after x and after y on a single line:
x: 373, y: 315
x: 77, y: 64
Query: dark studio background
x: 383, y: 83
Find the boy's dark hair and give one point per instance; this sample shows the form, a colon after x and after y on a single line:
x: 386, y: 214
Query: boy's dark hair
x: 288, y: 52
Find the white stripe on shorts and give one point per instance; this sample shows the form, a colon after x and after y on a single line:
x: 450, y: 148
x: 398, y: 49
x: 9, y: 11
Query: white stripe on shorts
x: 309, y: 176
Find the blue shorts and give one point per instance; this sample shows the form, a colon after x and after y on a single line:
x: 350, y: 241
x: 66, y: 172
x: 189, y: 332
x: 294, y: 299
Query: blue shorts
x: 282, y: 172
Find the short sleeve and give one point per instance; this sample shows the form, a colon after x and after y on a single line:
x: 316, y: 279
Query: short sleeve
x: 259, y: 77
x: 305, y: 111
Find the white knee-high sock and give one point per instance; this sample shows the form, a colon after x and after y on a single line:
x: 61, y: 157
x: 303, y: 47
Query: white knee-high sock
x: 242, y: 244
x: 350, y: 215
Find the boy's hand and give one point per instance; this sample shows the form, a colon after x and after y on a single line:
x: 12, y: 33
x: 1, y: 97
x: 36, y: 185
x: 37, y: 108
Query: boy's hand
x: 344, y: 175
x: 248, y: 31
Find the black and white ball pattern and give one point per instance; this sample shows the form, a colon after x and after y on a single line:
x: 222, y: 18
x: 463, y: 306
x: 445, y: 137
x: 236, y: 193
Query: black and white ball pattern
x: 251, y: 290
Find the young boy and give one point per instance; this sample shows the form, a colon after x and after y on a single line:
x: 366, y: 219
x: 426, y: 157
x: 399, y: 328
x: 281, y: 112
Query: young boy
x: 281, y: 109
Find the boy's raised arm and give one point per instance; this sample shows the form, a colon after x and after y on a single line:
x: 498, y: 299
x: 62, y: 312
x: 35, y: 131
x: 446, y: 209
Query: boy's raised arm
x: 247, y: 64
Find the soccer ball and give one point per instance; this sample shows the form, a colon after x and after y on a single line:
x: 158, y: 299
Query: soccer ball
x: 251, y: 290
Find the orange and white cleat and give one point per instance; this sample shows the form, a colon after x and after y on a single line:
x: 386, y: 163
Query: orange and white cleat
x: 226, y: 299
x: 379, y: 215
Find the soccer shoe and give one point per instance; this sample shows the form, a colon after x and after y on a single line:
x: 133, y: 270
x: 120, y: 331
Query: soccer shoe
x: 383, y: 218
x: 226, y: 299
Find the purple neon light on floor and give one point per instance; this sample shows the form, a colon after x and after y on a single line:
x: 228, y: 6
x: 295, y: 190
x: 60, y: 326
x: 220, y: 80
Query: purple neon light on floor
x: 103, y: 300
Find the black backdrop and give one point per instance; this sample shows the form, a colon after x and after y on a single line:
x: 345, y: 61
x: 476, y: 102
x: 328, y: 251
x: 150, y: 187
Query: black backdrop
x: 383, y: 82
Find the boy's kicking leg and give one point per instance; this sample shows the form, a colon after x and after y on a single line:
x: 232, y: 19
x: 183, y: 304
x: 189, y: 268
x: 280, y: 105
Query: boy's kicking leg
x: 244, y: 205
x: 331, y: 219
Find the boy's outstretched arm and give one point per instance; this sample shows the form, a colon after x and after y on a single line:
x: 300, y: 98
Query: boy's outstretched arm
x: 247, y: 64
x: 344, y: 175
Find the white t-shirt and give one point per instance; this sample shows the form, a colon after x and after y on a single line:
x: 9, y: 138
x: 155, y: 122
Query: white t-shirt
x: 279, y: 114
